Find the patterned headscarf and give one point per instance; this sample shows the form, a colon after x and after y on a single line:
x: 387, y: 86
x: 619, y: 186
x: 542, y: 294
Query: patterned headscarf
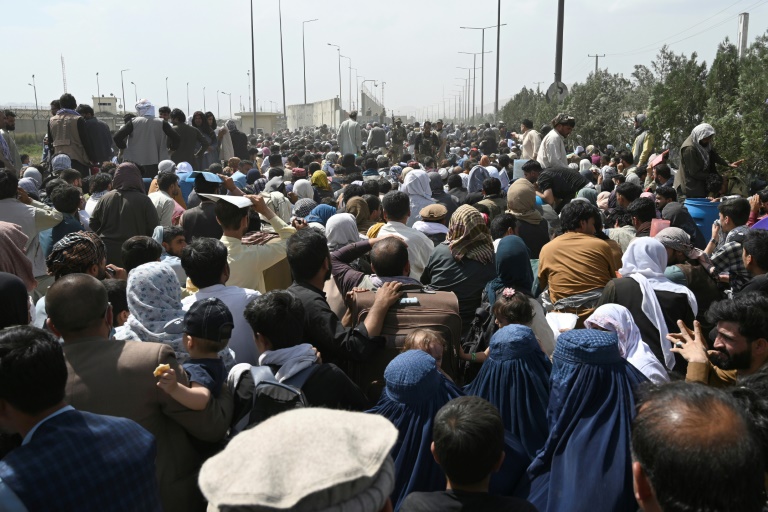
x: 61, y: 162
x: 320, y: 180
x: 154, y: 301
x: 303, y: 207
x: 128, y: 177
x: 75, y: 253
x: 468, y: 236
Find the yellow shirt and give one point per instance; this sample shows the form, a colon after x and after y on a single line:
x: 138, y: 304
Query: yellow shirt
x: 248, y: 262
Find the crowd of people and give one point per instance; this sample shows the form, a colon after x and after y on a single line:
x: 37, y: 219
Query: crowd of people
x: 166, y: 290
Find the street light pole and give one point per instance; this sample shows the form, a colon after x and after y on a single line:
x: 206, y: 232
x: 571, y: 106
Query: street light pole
x: 304, y: 57
x: 167, y: 101
x: 122, y: 84
x: 204, y: 109
x: 350, y: 80
x: 135, y: 92
x: 188, y: 112
x: 253, y: 78
x: 374, y: 83
x: 498, y: 60
x: 469, y: 82
x: 37, y: 108
x: 482, y: 65
x: 230, y: 102
x: 338, y: 49
x: 474, y: 80
x: 282, y: 62
x: 218, y: 106
x: 98, y: 88
x: 382, y: 94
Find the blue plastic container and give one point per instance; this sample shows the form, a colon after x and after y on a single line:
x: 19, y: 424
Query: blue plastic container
x: 704, y: 214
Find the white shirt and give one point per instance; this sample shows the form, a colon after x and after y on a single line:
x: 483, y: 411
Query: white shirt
x: 236, y: 299
x: 552, y: 151
x: 420, y: 247
x: 531, y: 143
x: 164, y: 204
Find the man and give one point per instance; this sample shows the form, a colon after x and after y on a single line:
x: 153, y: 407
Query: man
x: 626, y: 193
x: 69, y: 460
x: 248, y: 262
x: 98, y: 135
x: 629, y: 170
x: 5, y: 133
x: 426, y: 143
x: 32, y: 217
x: 677, y: 214
x: 205, y: 263
x: 552, y: 150
x: 556, y: 186
x: 529, y: 139
x: 576, y: 265
x: 662, y: 176
x: 6, y: 158
x: 310, y: 263
x: 164, y: 113
x: 468, y: 445
x: 150, y: 139
x: 493, y: 199
x: 69, y: 136
x: 456, y: 188
x: 239, y: 140
x: 377, y: 138
x: 680, y: 434
x: 740, y: 347
x: 442, y: 136
x: 397, y: 210
x: 697, y: 161
x: 201, y: 220
x: 350, y: 136
x: 643, y: 211
x: 168, y: 186
x: 755, y: 256
x: 398, y: 137
x: 80, y: 314
x: 173, y: 242
x: 189, y: 137
x: 724, y: 248
x: 643, y: 145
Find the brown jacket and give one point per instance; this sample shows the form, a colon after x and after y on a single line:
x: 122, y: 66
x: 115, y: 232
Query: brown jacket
x: 116, y: 378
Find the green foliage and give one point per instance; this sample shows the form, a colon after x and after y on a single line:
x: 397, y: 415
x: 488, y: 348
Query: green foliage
x: 753, y: 91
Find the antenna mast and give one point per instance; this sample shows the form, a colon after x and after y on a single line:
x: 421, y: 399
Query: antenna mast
x: 64, y: 73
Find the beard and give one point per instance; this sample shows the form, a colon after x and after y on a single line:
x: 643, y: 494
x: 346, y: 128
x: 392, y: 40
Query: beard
x: 725, y: 361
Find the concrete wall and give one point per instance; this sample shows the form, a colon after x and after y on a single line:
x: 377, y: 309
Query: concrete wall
x: 368, y: 102
x: 315, y: 114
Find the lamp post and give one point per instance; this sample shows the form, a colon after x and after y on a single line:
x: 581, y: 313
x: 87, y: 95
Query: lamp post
x: 204, y: 100
x: 98, y: 89
x: 474, y: 80
x: 188, y: 112
x: 338, y: 49
x: 122, y: 84
x: 37, y: 108
x: 282, y: 63
x: 469, y: 82
x: 482, y: 65
x: 167, y: 101
x: 253, y: 78
x: 218, y: 106
x: 135, y: 92
x: 374, y: 83
x: 357, y: 89
x: 304, y: 57
x: 350, y: 80
x: 230, y: 102
x: 382, y: 94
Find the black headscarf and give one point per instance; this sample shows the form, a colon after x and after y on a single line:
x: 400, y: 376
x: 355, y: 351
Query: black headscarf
x: 14, y: 301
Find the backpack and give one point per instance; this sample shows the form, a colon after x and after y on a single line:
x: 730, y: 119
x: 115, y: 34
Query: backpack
x: 259, y: 396
x: 478, y: 339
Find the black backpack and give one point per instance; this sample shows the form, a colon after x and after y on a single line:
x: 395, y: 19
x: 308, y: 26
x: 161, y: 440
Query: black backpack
x: 477, y: 340
x: 259, y: 396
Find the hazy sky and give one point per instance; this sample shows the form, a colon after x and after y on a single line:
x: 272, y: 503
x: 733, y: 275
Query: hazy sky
x: 413, y: 45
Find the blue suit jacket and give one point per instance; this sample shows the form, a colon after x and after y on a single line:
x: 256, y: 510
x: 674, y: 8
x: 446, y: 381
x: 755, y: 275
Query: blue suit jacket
x: 82, y: 461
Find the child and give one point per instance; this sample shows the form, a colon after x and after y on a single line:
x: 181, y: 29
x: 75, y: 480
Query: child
x: 512, y: 307
x: 430, y: 342
x: 207, y: 328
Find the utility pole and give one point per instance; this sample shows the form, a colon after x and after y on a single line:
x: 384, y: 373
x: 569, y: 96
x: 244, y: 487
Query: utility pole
x: 98, y: 88
x: 474, y: 80
x: 596, y: 61
x: 253, y: 78
x: 538, y: 86
x: 559, y: 44
x: 498, y: 59
x: 482, y: 66
x: 188, y: 112
x: 304, y: 58
x: 167, y: 101
x: 282, y: 62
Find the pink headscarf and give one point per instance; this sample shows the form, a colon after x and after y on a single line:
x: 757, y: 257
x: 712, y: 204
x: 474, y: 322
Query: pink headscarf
x: 602, y: 200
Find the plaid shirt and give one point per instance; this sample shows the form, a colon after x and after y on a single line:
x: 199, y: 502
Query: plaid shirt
x: 82, y: 461
x: 727, y: 258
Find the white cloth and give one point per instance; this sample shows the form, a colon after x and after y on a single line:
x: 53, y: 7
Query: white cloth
x: 644, y: 261
x: 552, y: 151
x: 290, y: 360
x: 416, y: 185
x: 226, y: 151
x: 236, y: 299
x: 531, y: 143
x: 145, y: 108
x: 618, y: 319
x: 350, y: 137
x: 164, y: 204
x: 430, y: 228
x: 341, y: 230
x: 420, y: 247
x: 702, y: 131
x: 303, y: 189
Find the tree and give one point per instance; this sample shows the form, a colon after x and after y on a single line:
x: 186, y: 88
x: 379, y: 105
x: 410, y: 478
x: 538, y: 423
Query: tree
x: 722, y: 110
x: 752, y: 107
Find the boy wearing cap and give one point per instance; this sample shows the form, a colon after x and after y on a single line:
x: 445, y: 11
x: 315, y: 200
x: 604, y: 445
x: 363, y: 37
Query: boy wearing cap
x: 207, y: 328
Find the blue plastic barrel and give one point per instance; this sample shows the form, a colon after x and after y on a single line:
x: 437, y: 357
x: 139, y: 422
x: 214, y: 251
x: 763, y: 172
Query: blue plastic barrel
x: 704, y: 214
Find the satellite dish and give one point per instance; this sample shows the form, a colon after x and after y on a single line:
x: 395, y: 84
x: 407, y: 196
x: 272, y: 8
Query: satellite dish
x: 557, y: 92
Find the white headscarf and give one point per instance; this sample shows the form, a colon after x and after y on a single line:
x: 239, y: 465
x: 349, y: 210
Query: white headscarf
x: 341, y: 230
x: 145, y: 108
x: 303, y: 189
x: 585, y: 165
x: 618, y: 319
x: 644, y: 261
x: 702, y: 131
x: 477, y: 175
x: 416, y: 185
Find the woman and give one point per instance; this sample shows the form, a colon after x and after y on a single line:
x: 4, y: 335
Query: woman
x: 124, y: 212
x: 416, y: 185
x: 341, y: 230
x: 531, y: 226
x: 655, y: 302
x: 321, y: 185
x: 303, y: 207
x: 477, y: 176
x: 14, y: 301
x: 515, y: 378
x: 414, y: 391
x: 154, y: 303
x: 591, y: 406
x: 358, y: 207
x: 200, y: 122
x: 303, y: 189
x: 13, y: 258
x: 464, y: 263
x: 318, y: 217
x: 618, y: 319
x: 513, y: 270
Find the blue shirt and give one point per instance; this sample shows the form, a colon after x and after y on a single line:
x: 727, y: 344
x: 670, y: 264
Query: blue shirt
x: 49, y: 237
x: 210, y: 373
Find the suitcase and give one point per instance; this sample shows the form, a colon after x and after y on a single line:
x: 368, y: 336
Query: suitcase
x: 435, y: 310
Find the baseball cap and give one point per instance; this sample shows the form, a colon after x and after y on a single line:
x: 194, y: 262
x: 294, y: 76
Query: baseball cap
x: 209, y: 319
